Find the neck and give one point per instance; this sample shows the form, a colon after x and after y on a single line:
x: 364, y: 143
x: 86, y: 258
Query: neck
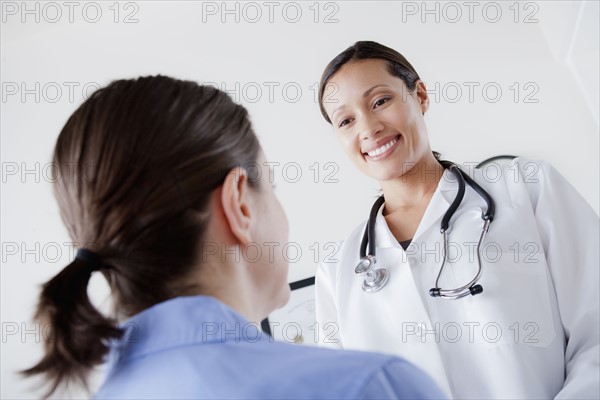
x: 414, y: 187
x: 229, y: 285
x: 240, y: 304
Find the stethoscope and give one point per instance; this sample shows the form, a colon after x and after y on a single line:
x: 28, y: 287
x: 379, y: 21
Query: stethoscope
x: 376, y: 278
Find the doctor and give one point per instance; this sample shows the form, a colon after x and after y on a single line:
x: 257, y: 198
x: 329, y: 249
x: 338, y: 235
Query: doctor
x: 533, y: 330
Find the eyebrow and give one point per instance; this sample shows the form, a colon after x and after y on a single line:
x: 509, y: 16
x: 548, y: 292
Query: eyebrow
x: 365, y: 94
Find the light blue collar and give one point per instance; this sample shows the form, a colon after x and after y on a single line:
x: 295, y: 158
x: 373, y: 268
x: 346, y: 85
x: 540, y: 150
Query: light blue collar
x: 182, y: 321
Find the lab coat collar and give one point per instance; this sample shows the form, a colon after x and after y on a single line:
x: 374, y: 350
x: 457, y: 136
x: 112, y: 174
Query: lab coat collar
x: 439, y: 203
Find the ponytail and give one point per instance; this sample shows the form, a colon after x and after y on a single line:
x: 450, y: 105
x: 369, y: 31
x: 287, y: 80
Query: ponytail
x: 78, y: 333
x: 151, y: 142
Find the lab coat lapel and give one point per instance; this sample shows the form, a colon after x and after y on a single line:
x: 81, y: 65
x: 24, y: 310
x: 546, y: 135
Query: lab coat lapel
x: 383, y: 235
x: 439, y: 203
x: 405, y: 312
x: 403, y: 303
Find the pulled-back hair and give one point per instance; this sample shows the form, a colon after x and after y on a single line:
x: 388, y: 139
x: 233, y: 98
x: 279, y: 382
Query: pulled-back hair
x: 137, y: 163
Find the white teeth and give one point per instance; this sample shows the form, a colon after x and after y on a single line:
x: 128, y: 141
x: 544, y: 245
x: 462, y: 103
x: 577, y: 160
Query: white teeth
x: 382, y: 149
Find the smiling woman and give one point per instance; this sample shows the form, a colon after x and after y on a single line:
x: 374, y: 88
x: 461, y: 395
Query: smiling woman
x: 371, y: 99
x: 538, y: 314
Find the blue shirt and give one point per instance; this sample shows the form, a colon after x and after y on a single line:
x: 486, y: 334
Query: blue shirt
x: 197, y: 347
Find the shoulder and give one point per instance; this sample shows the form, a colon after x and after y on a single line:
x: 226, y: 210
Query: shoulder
x: 521, y: 178
x: 535, y: 187
x: 518, y: 170
x: 329, y: 373
x: 263, y: 369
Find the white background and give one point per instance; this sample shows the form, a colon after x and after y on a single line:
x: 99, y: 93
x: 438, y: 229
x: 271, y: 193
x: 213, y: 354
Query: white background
x: 542, y: 55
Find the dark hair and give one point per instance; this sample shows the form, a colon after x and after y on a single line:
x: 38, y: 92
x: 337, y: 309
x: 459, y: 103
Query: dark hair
x: 147, y: 153
x: 397, y: 65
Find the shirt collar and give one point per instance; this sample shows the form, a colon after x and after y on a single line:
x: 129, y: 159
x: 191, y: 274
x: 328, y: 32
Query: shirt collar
x: 182, y: 321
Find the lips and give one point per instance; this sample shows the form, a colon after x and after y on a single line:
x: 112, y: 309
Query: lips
x: 382, y: 147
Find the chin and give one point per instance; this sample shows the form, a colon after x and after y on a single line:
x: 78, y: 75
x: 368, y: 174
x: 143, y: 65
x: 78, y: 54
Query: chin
x: 383, y: 175
x: 382, y: 171
x: 279, y: 300
x: 284, y: 297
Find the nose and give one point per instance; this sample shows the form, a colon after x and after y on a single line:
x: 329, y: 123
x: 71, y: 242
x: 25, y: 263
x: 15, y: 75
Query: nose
x: 369, y: 127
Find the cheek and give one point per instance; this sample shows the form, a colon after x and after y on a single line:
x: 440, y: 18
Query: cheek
x: 349, y: 144
x: 412, y: 118
x: 278, y: 222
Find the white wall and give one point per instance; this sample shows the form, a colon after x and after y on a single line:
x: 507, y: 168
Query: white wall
x: 552, y: 61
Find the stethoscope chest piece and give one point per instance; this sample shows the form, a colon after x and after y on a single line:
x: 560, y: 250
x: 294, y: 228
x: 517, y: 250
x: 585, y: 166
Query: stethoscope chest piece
x: 375, y: 280
x: 365, y: 265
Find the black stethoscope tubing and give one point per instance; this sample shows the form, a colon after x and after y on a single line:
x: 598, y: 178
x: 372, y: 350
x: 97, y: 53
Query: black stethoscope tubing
x: 366, y: 265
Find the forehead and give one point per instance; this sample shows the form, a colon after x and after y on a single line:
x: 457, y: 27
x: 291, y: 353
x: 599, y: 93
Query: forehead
x: 356, y: 77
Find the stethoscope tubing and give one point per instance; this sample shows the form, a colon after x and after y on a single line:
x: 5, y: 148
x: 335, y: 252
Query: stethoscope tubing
x: 368, y: 261
x: 463, y: 290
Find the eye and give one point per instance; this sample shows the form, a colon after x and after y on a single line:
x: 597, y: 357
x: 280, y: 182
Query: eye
x: 380, y: 102
x: 344, y: 122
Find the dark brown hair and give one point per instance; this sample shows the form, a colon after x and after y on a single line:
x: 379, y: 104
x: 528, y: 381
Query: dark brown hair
x: 397, y: 65
x: 147, y: 153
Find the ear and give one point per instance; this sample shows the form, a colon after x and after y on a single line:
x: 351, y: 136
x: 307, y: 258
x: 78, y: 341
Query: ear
x: 422, y: 95
x: 235, y: 201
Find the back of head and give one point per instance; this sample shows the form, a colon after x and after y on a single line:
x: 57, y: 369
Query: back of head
x: 136, y: 164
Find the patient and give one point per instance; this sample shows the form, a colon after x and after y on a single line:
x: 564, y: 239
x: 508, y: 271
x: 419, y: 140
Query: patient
x: 170, y: 207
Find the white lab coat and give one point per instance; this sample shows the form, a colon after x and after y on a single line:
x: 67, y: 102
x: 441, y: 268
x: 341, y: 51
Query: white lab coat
x: 532, y: 333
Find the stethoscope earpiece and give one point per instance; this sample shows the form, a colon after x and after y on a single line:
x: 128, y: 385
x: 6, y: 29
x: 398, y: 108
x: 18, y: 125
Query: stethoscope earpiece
x: 473, y: 290
x: 476, y: 289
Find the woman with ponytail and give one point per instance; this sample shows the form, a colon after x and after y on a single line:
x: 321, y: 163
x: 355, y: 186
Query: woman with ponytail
x: 165, y: 195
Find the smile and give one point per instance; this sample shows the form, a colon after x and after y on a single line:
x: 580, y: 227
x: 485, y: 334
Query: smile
x: 384, y: 149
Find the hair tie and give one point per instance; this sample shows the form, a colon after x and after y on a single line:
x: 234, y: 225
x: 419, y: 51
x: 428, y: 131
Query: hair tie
x: 93, y: 260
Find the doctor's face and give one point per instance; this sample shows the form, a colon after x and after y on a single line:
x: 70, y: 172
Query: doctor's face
x: 378, y: 121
